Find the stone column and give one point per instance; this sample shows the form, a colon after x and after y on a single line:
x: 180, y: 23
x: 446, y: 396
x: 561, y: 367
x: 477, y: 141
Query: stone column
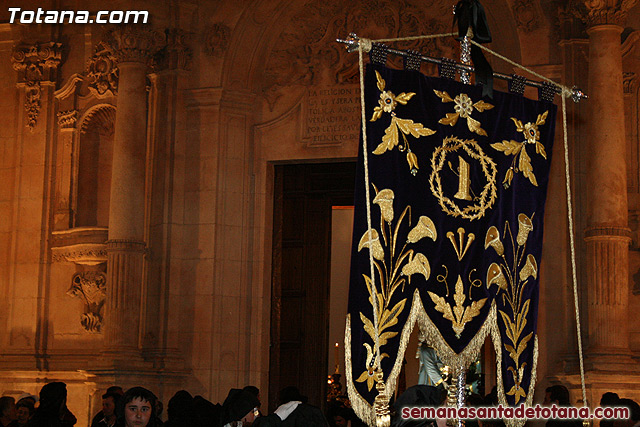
x: 607, y: 234
x: 125, y: 248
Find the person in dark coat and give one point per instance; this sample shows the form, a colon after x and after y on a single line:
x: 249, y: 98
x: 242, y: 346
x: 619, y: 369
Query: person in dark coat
x: 293, y: 412
x: 53, y: 411
x: 181, y: 410
x: 206, y: 413
x: 417, y: 396
x: 304, y: 415
x: 240, y: 405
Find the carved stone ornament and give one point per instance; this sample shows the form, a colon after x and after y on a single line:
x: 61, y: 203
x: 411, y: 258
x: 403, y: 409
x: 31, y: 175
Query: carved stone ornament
x: 216, y: 40
x: 37, y: 62
x: 34, y: 64
x: 33, y: 92
x: 307, y: 44
x: 176, y: 55
x: 83, y: 253
x: 102, y: 71
x: 601, y: 12
x: 526, y: 15
x: 134, y: 43
x: 91, y: 287
x: 67, y: 119
x: 101, y: 119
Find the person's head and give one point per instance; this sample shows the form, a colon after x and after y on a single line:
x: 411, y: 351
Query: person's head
x: 25, y: 410
x: 53, y: 399
x: 253, y: 390
x: 181, y: 407
x: 557, y: 394
x: 109, y: 402
x: 290, y: 394
x: 136, y: 407
x: 115, y: 389
x: 7, y: 408
x: 239, y: 406
x: 609, y: 399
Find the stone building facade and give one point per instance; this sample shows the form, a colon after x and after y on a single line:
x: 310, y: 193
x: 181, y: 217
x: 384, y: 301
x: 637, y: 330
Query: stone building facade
x: 139, y: 195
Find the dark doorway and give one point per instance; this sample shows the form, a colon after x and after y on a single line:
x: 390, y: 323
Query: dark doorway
x: 303, y: 197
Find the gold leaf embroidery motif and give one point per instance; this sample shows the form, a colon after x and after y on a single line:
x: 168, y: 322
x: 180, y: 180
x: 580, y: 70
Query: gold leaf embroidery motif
x: 460, y: 314
x: 519, y: 151
x: 461, y: 248
x: 487, y: 197
x: 463, y: 108
x: 387, y: 104
x: 512, y: 284
x: 394, y: 267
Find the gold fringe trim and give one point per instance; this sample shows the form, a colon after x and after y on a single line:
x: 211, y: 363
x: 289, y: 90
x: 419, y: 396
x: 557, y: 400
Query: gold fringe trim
x: 361, y: 407
x: 445, y: 352
x: 502, y: 398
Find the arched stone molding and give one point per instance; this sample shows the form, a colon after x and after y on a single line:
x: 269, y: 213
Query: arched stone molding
x: 92, y: 175
x: 77, y: 102
x: 278, y: 47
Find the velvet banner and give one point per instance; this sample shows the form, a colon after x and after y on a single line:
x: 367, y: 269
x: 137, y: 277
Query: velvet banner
x: 457, y: 190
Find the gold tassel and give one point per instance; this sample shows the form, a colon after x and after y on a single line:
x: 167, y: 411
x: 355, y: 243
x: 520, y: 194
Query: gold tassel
x: 381, y: 402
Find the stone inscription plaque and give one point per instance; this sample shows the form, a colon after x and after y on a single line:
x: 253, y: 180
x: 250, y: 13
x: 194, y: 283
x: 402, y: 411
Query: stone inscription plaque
x: 332, y: 116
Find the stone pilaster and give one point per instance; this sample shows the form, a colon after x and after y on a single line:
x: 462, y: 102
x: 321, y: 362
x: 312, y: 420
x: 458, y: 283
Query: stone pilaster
x: 165, y: 202
x: 67, y: 127
x: 607, y: 234
x: 36, y: 65
x: 28, y: 155
x: 134, y: 47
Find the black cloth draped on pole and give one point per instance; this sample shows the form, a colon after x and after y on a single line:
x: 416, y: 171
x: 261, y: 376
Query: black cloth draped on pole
x: 457, y: 192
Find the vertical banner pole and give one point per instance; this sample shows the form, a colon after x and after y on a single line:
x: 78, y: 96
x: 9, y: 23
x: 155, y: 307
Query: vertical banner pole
x: 462, y: 382
x: 465, y: 77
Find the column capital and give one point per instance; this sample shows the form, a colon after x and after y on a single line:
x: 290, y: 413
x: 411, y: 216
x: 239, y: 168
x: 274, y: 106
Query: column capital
x: 177, y: 53
x: 607, y: 12
x: 67, y: 119
x: 134, y: 43
x: 36, y: 62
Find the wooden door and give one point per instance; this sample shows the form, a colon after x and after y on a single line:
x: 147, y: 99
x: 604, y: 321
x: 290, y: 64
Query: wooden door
x: 303, y: 197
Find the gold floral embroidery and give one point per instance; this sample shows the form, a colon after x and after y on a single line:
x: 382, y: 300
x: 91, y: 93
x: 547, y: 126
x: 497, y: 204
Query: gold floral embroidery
x: 403, y: 264
x: 487, y: 197
x: 511, y: 284
x: 519, y: 151
x: 459, y: 315
x: 387, y: 104
x: 463, y: 107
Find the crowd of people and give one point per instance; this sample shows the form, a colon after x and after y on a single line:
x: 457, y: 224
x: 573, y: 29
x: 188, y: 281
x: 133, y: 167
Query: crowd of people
x: 139, y: 407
